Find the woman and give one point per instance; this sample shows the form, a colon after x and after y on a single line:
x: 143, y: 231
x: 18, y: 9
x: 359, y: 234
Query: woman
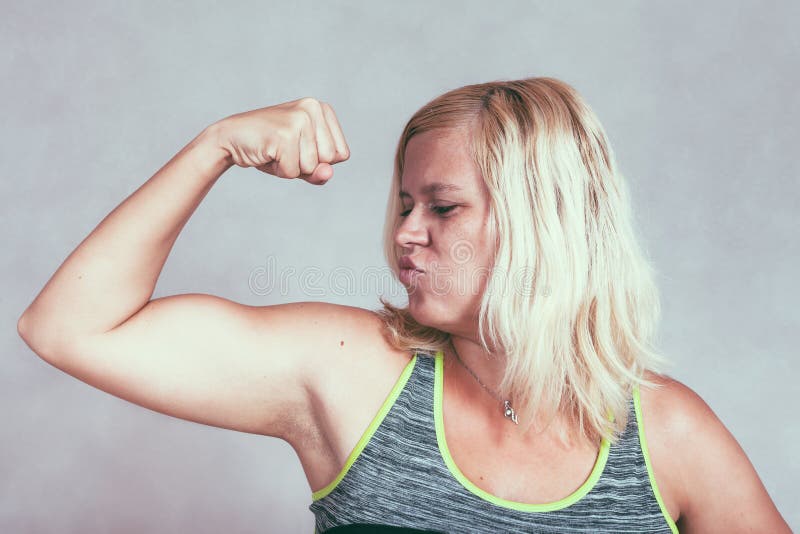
x: 521, y: 371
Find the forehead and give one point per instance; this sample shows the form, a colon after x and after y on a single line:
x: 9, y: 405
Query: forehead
x: 438, y: 161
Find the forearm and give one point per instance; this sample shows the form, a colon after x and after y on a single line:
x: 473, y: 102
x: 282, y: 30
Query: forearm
x: 113, y: 272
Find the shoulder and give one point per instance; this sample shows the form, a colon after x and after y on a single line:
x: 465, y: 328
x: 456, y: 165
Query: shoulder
x: 319, y: 330
x: 349, y: 340
x: 705, y: 477
x: 350, y: 366
x: 331, y: 339
x: 343, y: 351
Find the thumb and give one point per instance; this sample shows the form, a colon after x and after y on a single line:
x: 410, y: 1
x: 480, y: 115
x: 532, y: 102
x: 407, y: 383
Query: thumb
x: 322, y: 173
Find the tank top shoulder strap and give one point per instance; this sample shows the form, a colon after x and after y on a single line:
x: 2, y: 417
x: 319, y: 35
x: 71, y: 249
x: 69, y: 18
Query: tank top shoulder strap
x: 407, y: 401
x: 628, y: 461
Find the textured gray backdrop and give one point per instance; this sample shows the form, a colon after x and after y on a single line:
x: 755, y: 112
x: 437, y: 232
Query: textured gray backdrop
x: 700, y: 101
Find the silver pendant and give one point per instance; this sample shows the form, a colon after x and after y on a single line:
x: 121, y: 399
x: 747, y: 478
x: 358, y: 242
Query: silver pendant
x: 508, y: 412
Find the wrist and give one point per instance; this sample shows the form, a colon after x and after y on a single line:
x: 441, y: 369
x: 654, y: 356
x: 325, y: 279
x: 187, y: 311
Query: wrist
x: 210, y: 149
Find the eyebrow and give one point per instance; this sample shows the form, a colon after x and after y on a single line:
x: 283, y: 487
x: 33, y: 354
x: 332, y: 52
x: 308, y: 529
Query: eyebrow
x: 435, y: 187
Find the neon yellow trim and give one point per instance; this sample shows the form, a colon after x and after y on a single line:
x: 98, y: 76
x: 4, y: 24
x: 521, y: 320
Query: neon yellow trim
x: 373, y: 426
x: 602, y: 457
x: 643, y: 443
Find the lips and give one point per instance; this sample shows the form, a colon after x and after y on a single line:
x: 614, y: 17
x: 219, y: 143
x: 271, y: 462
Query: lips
x: 408, y: 276
x: 408, y: 270
x: 406, y: 263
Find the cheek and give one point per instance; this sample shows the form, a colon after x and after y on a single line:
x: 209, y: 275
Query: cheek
x: 480, y: 275
x: 467, y: 243
x: 462, y: 253
x: 476, y: 248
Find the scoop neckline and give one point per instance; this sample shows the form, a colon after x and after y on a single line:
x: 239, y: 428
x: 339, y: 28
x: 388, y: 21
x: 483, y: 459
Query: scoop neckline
x: 572, y: 498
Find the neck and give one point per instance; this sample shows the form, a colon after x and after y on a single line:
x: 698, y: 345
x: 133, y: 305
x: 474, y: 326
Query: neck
x: 488, y: 367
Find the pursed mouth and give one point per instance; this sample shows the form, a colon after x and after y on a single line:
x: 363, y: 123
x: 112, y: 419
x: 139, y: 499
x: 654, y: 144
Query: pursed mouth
x: 407, y: 275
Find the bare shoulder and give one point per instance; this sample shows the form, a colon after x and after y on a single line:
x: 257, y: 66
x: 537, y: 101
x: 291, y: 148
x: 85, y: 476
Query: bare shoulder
x: 333, y: 335
x: 344, y: 336
x: 339, y: 344
x: 705, y: 477
x: 356, y: 358
x: 349, y: 373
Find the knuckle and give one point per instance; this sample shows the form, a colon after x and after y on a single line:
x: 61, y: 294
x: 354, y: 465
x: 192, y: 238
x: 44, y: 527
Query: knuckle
x: 308, y: 103
x: 308, y: 163
x: 326, y: 154
x: 268, y: 153
x: 301, y: 119
x: 290, y: 171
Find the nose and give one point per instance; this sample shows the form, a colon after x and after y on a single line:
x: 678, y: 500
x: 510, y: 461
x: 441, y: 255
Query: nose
x: 411, y: 230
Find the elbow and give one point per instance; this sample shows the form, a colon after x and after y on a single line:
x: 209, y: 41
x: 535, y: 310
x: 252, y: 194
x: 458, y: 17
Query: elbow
x: 23, y: 326
x: 34, y: 336
x: 24, y: 331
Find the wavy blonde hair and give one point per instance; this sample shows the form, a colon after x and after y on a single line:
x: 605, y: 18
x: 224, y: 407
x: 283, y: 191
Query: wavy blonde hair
x: 579, y: 337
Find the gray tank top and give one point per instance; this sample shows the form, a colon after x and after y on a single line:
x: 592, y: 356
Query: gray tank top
x: 400, y: 477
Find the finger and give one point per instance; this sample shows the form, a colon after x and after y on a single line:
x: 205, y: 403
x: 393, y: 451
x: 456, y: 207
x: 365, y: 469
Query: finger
x: 288, y: 159
x: 326, y: 147
x: 340, y: 144
x: 308, y: 150
x: 321, y: 174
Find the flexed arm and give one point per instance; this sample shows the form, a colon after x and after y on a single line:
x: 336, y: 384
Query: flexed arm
x: 112, y: 273
x: 198, y: 357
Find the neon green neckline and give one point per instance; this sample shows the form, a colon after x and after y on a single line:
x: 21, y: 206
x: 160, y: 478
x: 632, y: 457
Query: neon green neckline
x: 643, y: 442
x: 368, y: 433
x: 602, y: 457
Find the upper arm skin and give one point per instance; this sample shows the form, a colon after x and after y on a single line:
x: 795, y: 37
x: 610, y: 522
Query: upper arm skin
x: 213, y: 361
x: 699, y: 462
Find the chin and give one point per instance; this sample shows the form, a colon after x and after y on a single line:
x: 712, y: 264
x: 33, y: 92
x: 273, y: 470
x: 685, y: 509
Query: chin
x: 418, y: 310
x: 426, y: 315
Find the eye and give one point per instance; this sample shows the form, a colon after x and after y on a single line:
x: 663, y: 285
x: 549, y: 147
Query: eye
x: 441, y: 210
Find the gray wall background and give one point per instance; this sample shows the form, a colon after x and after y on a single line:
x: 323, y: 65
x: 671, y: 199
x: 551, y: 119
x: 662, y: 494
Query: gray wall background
x: 700, y: 102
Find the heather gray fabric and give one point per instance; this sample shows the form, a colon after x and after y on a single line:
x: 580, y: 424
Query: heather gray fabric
x: 401, y: 479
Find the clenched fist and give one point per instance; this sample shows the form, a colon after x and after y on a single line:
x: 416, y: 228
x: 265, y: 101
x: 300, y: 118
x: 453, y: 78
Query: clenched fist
x: 297, y: 139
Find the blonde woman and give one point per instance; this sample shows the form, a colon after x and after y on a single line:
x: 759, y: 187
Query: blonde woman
x: 517, y: 391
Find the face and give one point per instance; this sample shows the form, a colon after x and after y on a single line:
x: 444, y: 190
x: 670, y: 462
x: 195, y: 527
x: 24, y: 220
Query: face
x: 444, y: 232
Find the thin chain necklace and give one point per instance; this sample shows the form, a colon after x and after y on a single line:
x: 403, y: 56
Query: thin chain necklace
x: 508, y: 410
